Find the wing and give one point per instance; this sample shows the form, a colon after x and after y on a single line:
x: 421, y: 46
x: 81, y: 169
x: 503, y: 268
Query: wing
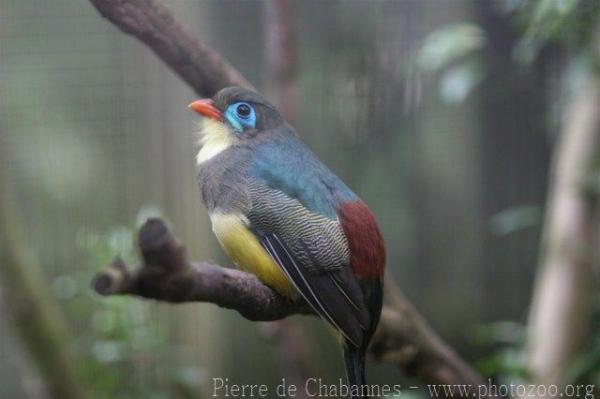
x: 313, y: 252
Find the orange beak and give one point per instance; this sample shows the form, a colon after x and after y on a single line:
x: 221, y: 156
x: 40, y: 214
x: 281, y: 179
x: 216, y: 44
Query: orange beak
x: 206, y: 108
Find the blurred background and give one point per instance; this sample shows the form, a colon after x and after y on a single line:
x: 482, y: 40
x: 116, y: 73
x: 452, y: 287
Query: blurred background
x: 441, y: 115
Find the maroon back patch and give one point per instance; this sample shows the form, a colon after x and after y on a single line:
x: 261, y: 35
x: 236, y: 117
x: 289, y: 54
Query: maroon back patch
x: 367, y: 249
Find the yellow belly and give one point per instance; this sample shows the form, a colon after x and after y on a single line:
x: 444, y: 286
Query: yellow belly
x: 244, y: 249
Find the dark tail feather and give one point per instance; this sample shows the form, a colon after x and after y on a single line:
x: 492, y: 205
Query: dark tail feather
x: 355, y: 371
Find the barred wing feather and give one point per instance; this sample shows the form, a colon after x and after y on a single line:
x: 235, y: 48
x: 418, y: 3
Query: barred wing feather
x: 313, y: 253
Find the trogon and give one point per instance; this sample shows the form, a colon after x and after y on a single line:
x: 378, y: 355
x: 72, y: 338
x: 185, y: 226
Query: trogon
x: 281, y: 214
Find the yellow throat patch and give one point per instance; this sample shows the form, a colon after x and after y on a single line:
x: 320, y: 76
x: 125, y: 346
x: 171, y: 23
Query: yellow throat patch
x: 215, y: 137
x: 244, y: 249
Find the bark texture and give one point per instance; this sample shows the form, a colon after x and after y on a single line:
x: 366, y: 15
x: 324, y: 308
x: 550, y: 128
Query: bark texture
x: 561, y: 306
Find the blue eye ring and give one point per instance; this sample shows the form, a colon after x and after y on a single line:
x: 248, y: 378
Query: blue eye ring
x: 241, y: 116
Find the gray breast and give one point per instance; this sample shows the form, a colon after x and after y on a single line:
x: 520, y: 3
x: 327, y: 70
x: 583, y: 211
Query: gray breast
x: 223, y: 181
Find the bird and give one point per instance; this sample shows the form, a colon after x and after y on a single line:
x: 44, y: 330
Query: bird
x: 279, y: 213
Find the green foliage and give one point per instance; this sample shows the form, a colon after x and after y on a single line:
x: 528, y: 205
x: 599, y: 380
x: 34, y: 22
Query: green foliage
x: 587, y: 366
x: 507, y: 360
x: 121, y: 335
x: 449, y: 44
x: 515, y: 219
x: 542, y: 22
x: 453, y: 52
x: 459, y: 81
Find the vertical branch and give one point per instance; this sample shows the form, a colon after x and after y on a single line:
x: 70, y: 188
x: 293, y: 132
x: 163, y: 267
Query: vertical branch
x: 31, y: 307
x: 281, y: 56
x: 560, y: 311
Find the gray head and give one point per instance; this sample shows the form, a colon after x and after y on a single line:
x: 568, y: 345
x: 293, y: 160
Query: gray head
x: 245, y: 112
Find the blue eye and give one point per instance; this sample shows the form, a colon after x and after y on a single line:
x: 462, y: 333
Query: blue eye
x: 241, y: 115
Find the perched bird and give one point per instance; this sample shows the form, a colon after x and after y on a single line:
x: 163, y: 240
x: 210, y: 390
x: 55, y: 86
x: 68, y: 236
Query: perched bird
x: 281, y: 214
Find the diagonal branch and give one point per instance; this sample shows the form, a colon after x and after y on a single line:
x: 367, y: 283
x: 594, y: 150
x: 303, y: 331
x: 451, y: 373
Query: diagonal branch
x: 205, y: 70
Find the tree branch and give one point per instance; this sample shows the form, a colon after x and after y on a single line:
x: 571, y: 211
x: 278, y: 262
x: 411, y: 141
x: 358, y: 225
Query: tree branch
x: 281, y: 53
x: 561, y: 306
x: 404, y: 338
x: 167, y: 275
x: 202, y: 68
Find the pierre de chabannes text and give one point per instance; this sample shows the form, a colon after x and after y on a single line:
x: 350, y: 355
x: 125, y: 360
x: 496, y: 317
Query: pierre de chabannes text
x: 313, y: 387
